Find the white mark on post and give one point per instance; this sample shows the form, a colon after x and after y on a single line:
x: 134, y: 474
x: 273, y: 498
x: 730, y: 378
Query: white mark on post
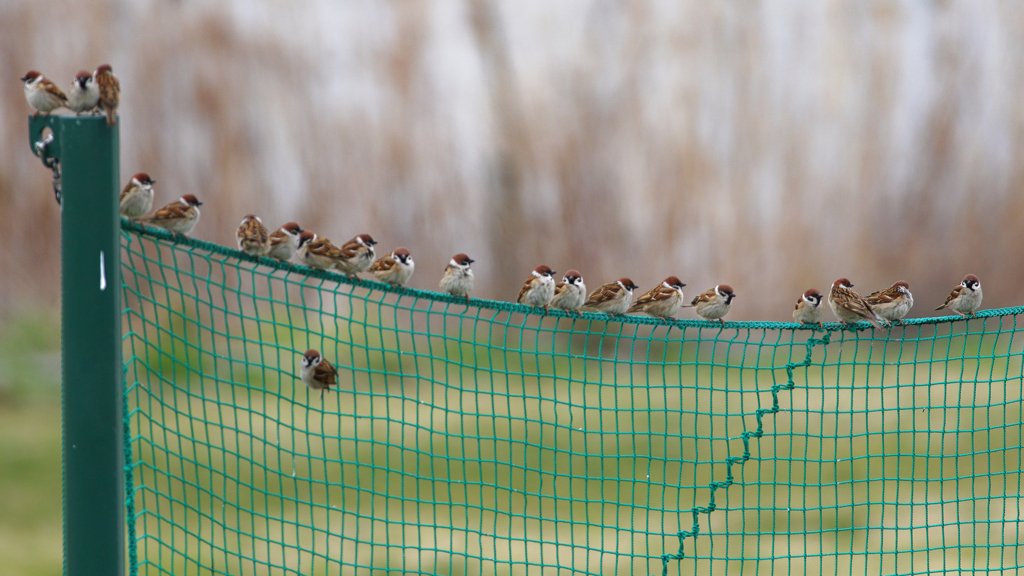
x: 103, y: 274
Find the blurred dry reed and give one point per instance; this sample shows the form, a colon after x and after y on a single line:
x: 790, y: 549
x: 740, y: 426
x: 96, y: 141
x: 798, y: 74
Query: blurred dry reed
x: 770, y: 145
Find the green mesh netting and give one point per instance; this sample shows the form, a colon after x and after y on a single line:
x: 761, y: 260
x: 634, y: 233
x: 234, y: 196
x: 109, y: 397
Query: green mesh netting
x: 488, y: 439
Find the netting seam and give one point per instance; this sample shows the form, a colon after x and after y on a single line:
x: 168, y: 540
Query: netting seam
x: 741, y: 460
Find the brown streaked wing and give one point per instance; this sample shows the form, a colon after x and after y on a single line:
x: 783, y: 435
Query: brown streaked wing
x: 705, y: 297
x: 383, y: 264
x: 522, y: 291
x: 326, y: 373
x: 323, y: 247
x: 348, y: 249
x: 604, y: 293
x: 277, y: 236
x: 110, y: 88
x: 952, y: 296
x: 52, y: 88
x: 171, y: 211
x: 883, y: 296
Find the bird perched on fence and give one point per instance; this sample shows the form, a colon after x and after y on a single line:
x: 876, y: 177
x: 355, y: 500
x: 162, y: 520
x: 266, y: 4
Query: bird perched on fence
x: 252, y: 236
x: 84, y: 95
x: 893, y: 303
x: 356, y: 255
x: 178, y: 217
x: 848, y: 306
x: 458, y: 277
x: 110, y: 91
x: 317, y: 373
x: 42, y: 94
x: 539, y: 288
x: 284, y: 241
x: 570, y: 293
x: 662, y: 301
x: 611, y: 298
x: 395, y: 268
x: 715, y: 303
x: 317, y: 252
x: 808, y: 308
x: 137, y: 196
x: 965, y: 299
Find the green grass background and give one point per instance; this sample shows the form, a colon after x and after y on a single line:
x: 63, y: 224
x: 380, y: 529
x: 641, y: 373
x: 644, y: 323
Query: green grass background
x: 30, y: 484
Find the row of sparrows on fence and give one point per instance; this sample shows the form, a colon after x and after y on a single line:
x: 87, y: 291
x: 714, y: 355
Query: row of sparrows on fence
x: 99, y: 91
x: 889, y: 305
x: 540, y: 289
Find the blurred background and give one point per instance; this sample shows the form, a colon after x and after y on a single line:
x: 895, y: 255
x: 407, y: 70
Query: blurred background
x: 774, y: 146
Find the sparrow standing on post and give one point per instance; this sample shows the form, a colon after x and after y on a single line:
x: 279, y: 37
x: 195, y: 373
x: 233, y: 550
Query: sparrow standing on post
x: 178, y: 217
x: 662, y: 301
x: 137, y: 196
x: 808, y: 308
x: 570, y: 293
x: 966, y: 298
x: 458, y: 278
x: 317, y: 373
x: 715, y: 303
x: 539, y: 288
x: 893, y: 303
x: 110, y: 91
x: 395, y: 268
x: 356, y: 255
x: 284, y: 241
x: 317, y: 252
x: 611, y: 298
x: 42, y: 94
x: 848, y: 306
x: 252, y: 236
x: 84, y: 95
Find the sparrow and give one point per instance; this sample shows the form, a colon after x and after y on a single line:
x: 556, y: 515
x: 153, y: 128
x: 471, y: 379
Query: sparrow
x: 284, y: 241
x: 966, y: 298
x: 395, y: 268
x: 252, y: 236
x: 317, y: 252
x: 848, y: 306
x: 42, y: 94
x: 570, y: 292
x: 110, y: 91
x: 715, y: 303
x: 662, y: 301
x: 317, y: 373
x: 539, y: 288
x: 84, y: 95
x: 178, y: 217
x: 808, y: 308
x: 611, y: 298
x: 458, y: 278
x: 893, y: 303
x: 137, y: 196
x: 356, y: 255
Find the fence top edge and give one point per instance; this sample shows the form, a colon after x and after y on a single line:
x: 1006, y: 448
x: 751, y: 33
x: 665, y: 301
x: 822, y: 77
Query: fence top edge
x: 341, y: 279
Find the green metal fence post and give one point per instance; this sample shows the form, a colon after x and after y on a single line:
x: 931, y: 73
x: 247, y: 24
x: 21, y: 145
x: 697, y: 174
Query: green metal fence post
x: 91, y: 341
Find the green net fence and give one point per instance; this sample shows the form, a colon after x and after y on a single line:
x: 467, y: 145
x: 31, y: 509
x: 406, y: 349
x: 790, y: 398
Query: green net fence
x: 490, y: 439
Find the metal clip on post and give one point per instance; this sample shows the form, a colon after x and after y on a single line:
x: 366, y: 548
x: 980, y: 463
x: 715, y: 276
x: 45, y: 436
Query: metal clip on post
x: 41, y: 148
